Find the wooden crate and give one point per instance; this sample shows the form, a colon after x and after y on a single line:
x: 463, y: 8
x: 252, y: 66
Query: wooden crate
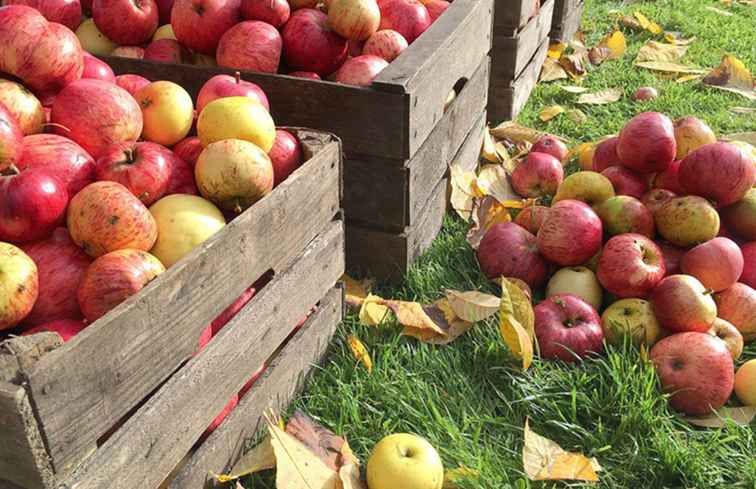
x: 513, y: 52
x: 514, y: 14
x: 139, y: 366
x: 567, y: 15
x: 514, y: 97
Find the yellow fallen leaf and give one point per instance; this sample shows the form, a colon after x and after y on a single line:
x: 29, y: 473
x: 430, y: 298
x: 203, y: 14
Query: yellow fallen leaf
x: 657, y: 51
x: 487, y: 212
x: 616, y: 44
x: 675, y: 38
x: 516, y: 133
x: 506, y: 160
x: 349, y: 475
x: 556, y: 49
x: 544, y: 459
x: 608, y: 96
x: 493, y: 181
x: 575, y: 64
x: 260, y: 458
x: 488, y: 151
x: 741, y: 416
x: 453, y: 476
x: 462, y: 191
x: 732, y: 75
x: 573, y: 89
x: 669, y: 67
x: 577, y: 116
x: 630, y: 22
x: 435, y: 324
x: 687, y: 78
x: 647, y: 24
x: 355, y: 290
x: 551, y: 70
x: 522, y: 305
x: 513, y: 332
x: 372, y: 311
x: 550, y: 112
x: 360, y: 352
x: 719, y: 11
x: 743, y: 110
x: 472, y: 306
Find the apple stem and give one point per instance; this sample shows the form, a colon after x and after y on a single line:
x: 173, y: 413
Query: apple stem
x: 237, y: 76
x: 55, y: 124
x: 11, y: 171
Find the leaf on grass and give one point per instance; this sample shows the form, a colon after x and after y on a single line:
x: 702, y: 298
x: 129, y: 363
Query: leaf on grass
x: 556, y: 49
x: 515, y: 133
x: 612, y: 46
x: 657, y: 51
x: 741, y: 416
x: 552, y: 70
x: 647, y: 24
x: 493, y: 181
x: 512, y: 313
x: 349, y: 475
x: 372, y: 311
x: 630, y: 22
x: 575, y: 64
x: 669, y: 67
x: 687, y: 78
x: 544, y: 459
x: 472, y: 306
x: 356, y: 290
x: 435, y: 324
x: 360, y: 352
x: 260, y: 458
x: 488, y: 151
x: 462, y: 191
x: 550, y: 112
x: 573, y: 89
x: 488, y: 211
x: 733, y: 76
x: 676, y: 38
x: 608, y: 96
x: 577, y: 116
x: 453, y: 476
x: 324, y: 443
x: 719, y: 11
x: 743, y: 110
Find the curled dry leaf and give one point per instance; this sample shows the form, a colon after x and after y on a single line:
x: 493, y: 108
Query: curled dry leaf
x: 741, y: 416
x: 552, y: 70
x: 360, y: 352
x: 513, y: 311
x: 544, y: 459
x: 630, y: 22
x: 462, y: 191
x: 435, y: 324
x: 372, y: 311
x: 614, y: 44
x: 556, y: 49
x: 321, y: 441
x: 487, y: 212
x: 550, y: 112
x: 350, y: 477
x: 676, y: 38
x: 573, y: 89
x: 453, y: 476
x: 577, y: 116
x: 647, y: 24
x: 488, y: 151
x: 506, y: 160
x: 515, y: 133
x: 669, y: 67
x: 733, y: 76
x: 260, y: 458
x: 657, y: 51
x: 575, y: 64
x: 472, y: 306
x: 493, y: 181
x: 608, y: 96
x: 356, y: 291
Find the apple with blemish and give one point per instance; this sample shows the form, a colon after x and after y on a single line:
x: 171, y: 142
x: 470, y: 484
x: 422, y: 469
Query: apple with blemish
x: 539, y: 175
x: 508, y: 250
x: 720, y: 172
x: 683, y: 304
x: 532, y: 217
x: 19, y: 285
x: 624, y: 214
x: 655, y: 198
x: 567, y: 328
x: 571, y: 233
x: 387, y: 44
x: 126, y: 22
x: 310, y: 45
x: 23, y: 105
x: 631, y: 317
x: 626, y: 182
x: 167, y: 111
x: 690, y: 134
x: 409, y: 18
x: 252, y: 45
x: 587, y: 186
x: 687, y: 221
x: 631, y: 265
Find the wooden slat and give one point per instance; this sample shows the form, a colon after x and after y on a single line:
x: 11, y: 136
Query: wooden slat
x: 511, y: 100
x: 275, y: 389
x: 449, y: 51
x: 23, y: 458
x: 566, y: 26
x: 513, y: 14
x: 391, y: 198
x: 563, y: 8
x: 84, y: 387
x: 156, y: 438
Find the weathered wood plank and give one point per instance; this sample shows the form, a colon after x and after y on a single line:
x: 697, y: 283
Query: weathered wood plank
x: 562, y: 9
x: 513, y: 14
x: 510, y: 55
x: 275, y: 389
x: 23, y: 458
x: 565, y: 27
x: 84, y: 387
x: 511, y: 100
x: 145, y: 450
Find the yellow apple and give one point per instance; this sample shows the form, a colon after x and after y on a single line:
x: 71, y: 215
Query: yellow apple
x: 236, y: 118
x: 164, y: 32
x: 184, y: 222
x: 588, y: 186
x: 745, y: 383
x: 579, y: 281
x: 404, y: 461
x: 92, y: 40
x: 19, y: 285
x: 631, y: 317
x: 167, y: 111
x: 23, y: 105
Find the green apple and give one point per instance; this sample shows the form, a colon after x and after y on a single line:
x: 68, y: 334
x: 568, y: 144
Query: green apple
x: 631, y: 317
x: 588, y: 186
x: 404, y: 461
x: 579, y: 281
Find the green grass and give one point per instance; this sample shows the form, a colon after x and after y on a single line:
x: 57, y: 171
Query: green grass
x: 469, y: 398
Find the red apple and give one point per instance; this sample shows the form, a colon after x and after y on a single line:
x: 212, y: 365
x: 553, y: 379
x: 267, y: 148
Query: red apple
x: 548, y: 144
x: 310, y: 45
x: 567, y: 328
x: 655, y: 198
x: 68, y: 161
x: 508, y: 250
x: 305, y: 74
x: 717, y: 264
x: 134, y: 52
x: 18, y: 287
x: 229, y: 86
x: 691, y: 133
x: 205, y: 337
x: 252, y: 45
x: 126, y: 22
x: 66, y: 12
x: 164, y: 11
x: 354, y: 48
x: 682, y: 303
x: 532, y: 217
x: 644, y: 94
x: 720, y: 172
x: 132, y: 83
x: 143, y: 168
x: 11, y: 139
x: 355, y: 20
x: 166, y: 51
x: 386, y: 44
x: 66, y: 328
x: 409, y: 18
x: 748, y: 276
x: 436, y: 8
x: 631, y: 265
x: 182, y: 178
x: 740, y: 217
x: 96, y: 114
x: 221, y: 417
x: 647, y: 143
x: 730, y: 335
x: 32, y: 203
x: 286, y: 155
x: 696, y: 369
x: 605, y: 154
x: 274, y: 12
x: 571, y: 233
x: 672, y: 257
x: 670, y: 178
x: 189, y: 150
x: 626, y: 182
x: 113, y: 278
x: 60, y: 265
x: 361, y: 71
x: 624, y: 214
x: 97, y: 69
x: 737, y: 305
x: 199, y: 24
x: 106, y: 217
x: 540, y: 174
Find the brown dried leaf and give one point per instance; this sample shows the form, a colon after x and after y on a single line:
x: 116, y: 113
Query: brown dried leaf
x: 544, y: 459
x: 675, y: 38
x: 552, y: 70
x: 512, y: 310
x: 575, y: 64
x: 515, y: 133
x: 488, y: 211
x: 573, y: 89
x: 608, y: 96
x: 630, y: 22
x: 435, y: 324
x: 356, y: 290
x: 488, y: 151
x: 577, y: 116
x: 453, y: 476
x: 360, y: 352
x: 741, y: 416
x: 321, y: 441
x: 260, y: 458
x: 598, y: 54
x: 462, y: 191
x: 669, y: 67
x: 687, y: 78
x: 647, y: 24
x: 733, y: 76
x: 614, y: 45
x: 657, y: 51
x: 493, y: 181
x: 472, y: 306
x: 550, y: 112
x: 372, y: 311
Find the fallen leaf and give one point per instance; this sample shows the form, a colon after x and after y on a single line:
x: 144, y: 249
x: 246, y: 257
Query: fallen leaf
x: 488, y: 151
x: 687, y: 78
x: 657, y: 51
x: 544, y: 459
x: 487, y: 212
x: 360, y: 352
x: 675, y: 38
x: 453, y: 476
x: 462, y: 191
x: 647, y: 24
x: 598, y: 54
x: 741, y: 416
x: 616, y: 44
x: 743, y: 110
x: 608, y: 96
x: 733, y: 76
x: 435, y: 324
x: 746, y: 137
x: 573, y: 89
x: 356, y: 290
x: 550, y: 112
x: 556, y: 49
x: 515, y: 334
x: 349, y: 475
x: 669, y: 67
x: 472, y: 306
x: 372, y: 311
x: 260, y: 458
x: 493, y: 181
x: 552, y: 70
x: 630, y: 22
x: 321, y: 441
x: 506, y: 160
x: 577, y: 116
x: 719, y: 11
x: 575, y: 64
x: 515, y: 133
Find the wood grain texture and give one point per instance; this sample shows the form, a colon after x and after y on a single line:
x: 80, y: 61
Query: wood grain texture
x: 150, y: 444
x: 511, y: 100
x: 275, y: 389
x: 562, y: 9
x: 23, y: 458
x: 566, y: 25
x: 84, y: 387
x: 513, y: 14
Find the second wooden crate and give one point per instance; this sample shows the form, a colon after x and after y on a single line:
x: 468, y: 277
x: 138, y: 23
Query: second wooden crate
x: 566, y: 23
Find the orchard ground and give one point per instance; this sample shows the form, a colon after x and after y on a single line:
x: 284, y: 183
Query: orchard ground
x: 469, y: 399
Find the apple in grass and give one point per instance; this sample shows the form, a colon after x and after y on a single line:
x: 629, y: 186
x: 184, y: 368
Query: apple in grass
x: 745, y: 383
x: 687, y: 221
x: 647, y: 143
x: 631, y: 265
x: 409, y: 18
x: 387, y: 44
x: 737, y: 305
x: 670, y: 178
x: 624, y: 214
x: 11, y: 139
x: 274, y: 12
x: 133, y: 52
x: 285, y: 155
x: 682, y: 304
x: 166, y: 51
x: 548, y: 144
x: 717, y: 263
x: 126, y: 22
x: 586, y: 186
x: 696, y: 369
x: 23, y: 106
x: 32, y: 203
x: 748, y: 276
x: 720, y: 172
x: 571, y: 233
x: 189, y: 149
x: 579, y: 281
x: 690, y: 134
x: 251, y: 45
x: 540, y: 174
x: 532, y: 217
x: 404, y: 460
x: 605, y: 154
x: 97, y: 69
x: 567, y: 328
x: 221, y: 86
x: 730, y: 335
x: 69, y: 162
x: 167, y: 110
x: 655, y: 198
x: 740, y: 217
x: 672, y: 257
x: 143, y: 168
x: 92, y: 40
x: 508, y: 250
x: 310, y: 45
x: 200, y: 24
x: 626, y: 182
x: 66, y: 12
x: 236, y: 118
x: 132, y: 83
x: 361, y: 70
x: 631, y: 317
x: 66, y: 328
x: 113, y: 278
x: 105, y: 216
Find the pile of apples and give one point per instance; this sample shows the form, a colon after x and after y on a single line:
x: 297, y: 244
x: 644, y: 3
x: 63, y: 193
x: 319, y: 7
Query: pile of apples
x: 348, y: 41
x: 660, y: 234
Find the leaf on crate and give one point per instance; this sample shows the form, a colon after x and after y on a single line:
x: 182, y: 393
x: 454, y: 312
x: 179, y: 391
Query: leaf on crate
x: 741, y: 416
x: 550, y: 112
x: 488, y: 150
x: 260, y: 458
x: 719, y: 11
x: 552, y: 70
x: 658, y: 51
x: 544, y: 459
x: 372, y: 311
x: 515, y: 133
x: 488, y: 211
x: 453, y: 476
x: 669, y: 67
x: 733, y: 76
x: 573, y: 89
x: 462, y: 191
x: 515, y: 323
x: 577, y: 116
x: 360, y: 352
x: 743, y: 110
x: 493, y: 181
x: 687, y: 78
x: 676, y: 38
x: 356, y: 290
x: 608, y: 96
x: 647, y: 24
x: 615, y: 43
x: 556, y: 49
x: 472, y: 306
